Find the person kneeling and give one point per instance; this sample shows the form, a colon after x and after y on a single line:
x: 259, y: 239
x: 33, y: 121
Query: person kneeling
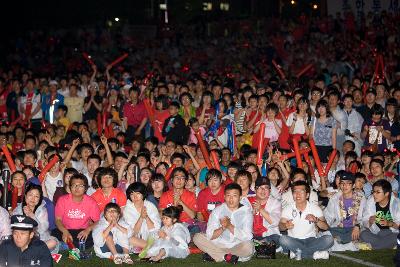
x: 382, y: 217
x: 301, y: 220
x: 110, y: 236
x: 172, y: 239
x: 229, y: 230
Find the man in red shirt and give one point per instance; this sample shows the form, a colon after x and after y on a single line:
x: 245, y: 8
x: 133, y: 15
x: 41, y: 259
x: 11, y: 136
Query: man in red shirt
x: 179, y: 196
x: 108, y: 180
x: 135, y: 116
x: 212, y: 196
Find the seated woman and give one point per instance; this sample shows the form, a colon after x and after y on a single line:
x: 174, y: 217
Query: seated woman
x: 159, y: 186
x: 33, y: 206
x: 76, y: 213
x: 141, y: 215
x: 110, y: 236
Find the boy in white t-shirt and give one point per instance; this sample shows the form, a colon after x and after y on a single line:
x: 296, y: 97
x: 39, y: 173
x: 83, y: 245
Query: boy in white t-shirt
x: 53, y: 179
x: 302, y: 221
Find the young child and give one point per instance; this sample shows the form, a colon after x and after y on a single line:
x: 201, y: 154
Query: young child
x: 360, y: 180
x: 61, y: 116
x: 174, y: 127
x: 172, y: 239
x: 195, y: 127
x: 110, y: 236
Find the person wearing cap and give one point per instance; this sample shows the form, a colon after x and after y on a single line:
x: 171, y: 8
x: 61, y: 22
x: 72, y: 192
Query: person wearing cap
x: 370, y: 102
x: 266, y: 212
x: 24, y: 248
x: 303, y: 221
x: 381, y: 218
x: 344, y: 211
x: 51, y: 101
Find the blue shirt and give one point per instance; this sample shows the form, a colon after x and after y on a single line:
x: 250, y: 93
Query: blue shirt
x: 46, y: 99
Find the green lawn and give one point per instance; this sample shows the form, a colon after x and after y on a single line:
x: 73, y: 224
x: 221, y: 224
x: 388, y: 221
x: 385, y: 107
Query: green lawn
x: 383, y: 257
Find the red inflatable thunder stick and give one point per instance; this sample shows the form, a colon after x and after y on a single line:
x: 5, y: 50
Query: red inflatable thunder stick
x: 88, y: 59
x: 9, y: 159
x: 203, y: 149
x: 47, y: 168
x: 304, y: 70
x: 297, y: 153
x: 118, y: 60
x: 316, y: 158
x: 279, y: 70
x: 260, y: 150
x: 169, y: 172
x: 215, y: 160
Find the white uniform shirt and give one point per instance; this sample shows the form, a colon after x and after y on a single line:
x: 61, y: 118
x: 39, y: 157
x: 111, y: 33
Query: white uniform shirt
x: 302, y: 228
x: 51, y: 183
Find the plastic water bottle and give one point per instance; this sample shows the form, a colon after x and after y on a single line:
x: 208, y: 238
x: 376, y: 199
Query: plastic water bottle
x: 298, y: 254
x: 82, y: 245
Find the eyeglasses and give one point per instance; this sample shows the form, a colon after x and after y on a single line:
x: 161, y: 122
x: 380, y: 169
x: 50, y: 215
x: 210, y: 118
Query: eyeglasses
x: 300, y: 191
x: 79, y: 186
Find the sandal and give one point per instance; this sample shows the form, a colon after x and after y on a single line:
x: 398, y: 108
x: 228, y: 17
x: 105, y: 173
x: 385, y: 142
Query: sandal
x: 127, y: 259
x: 117, y: 260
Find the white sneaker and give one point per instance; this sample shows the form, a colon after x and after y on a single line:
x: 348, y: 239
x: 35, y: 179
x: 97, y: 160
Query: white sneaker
x: 321, y: 255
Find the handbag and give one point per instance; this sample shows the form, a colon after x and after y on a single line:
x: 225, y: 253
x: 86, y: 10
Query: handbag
x: 265, y: 250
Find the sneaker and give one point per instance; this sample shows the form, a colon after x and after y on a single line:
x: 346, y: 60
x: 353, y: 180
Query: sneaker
x: 321, y: 255
x: 118, y: 259
x: 207, y: 257
x: 230, y: 258
x: 143, y: 253
x: 127, y: 259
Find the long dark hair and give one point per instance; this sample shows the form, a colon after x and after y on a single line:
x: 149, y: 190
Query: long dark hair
x: 30, y: 187
x: 322, y: 103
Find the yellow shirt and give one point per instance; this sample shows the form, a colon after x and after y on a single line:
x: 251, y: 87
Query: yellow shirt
x: 65, y: 122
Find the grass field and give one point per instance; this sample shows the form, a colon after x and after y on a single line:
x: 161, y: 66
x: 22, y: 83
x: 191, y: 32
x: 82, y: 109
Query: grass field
x: 381, y: 257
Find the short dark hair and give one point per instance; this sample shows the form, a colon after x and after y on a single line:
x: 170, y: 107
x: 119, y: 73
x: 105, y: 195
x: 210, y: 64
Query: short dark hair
x: 172, y: 212
x: 175, y: 104
x: 112, y: 173
x: 213, y: 173
x: 384, y: 184
x: 233, y: 186
x: 29, y: 187
x: 301, y: 183
x: 180, y: 169
x: 79, y: 176
x: 95, y: 156
x: 31, y: 152
x: 136, y: 187
x: 63, y: 108
x: 112, y: 205
x: 83, y: 146
x: 379, y: 161
x: 245, y: 173
x: 178, y: 155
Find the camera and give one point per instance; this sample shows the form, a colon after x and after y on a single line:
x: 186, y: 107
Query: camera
x: 348, y: 133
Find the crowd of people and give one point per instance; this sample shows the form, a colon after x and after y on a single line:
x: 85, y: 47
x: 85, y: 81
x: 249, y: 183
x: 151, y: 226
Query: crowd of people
x: 166, y: 160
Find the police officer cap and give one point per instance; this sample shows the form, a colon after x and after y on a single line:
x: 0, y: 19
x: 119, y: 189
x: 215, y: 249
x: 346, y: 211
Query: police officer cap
x: 22, y: 222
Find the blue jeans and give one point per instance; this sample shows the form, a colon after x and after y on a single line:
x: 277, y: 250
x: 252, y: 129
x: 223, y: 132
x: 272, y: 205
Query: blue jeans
x: 343, y: 235
x: 307, y: 246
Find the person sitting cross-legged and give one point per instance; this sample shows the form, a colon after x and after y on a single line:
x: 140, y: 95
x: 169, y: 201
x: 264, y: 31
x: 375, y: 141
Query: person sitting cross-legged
x: 301, y: 220
x: 229, y: 230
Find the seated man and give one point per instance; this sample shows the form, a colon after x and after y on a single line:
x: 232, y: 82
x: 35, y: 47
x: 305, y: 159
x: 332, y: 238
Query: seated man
x: 76, y: 213
x: 24, y: 249
x: 229, y: 230
x: 266, y: 212
x: 344, y: 211
x: 381, y: 217
x: 301, y: 220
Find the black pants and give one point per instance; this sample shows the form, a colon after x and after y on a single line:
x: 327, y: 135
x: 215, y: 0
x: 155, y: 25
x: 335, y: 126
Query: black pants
x: 74, y: 232
x: 130, y: 134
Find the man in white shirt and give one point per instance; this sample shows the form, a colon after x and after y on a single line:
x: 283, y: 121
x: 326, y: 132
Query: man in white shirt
x: 229, y: 230
x: 302, y: 221
x: 354, y: 123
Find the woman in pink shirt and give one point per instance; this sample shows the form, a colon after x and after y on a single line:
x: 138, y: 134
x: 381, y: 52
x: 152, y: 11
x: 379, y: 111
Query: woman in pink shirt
x: 76, y: 213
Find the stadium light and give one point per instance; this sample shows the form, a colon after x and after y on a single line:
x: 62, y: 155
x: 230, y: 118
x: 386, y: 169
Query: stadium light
x: 293, y: 2
x: 315, y: 6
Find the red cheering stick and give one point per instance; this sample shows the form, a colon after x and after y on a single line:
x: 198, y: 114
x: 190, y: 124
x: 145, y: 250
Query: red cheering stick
x: 353, y: 168
x: 14, y: 198
x: 70, y: 244
x: 304, y: 70
x: 99, y: 129
x: 118, y: 60
x: 260, y: 150
x: 215, y: 160
x: 49, y: 165
x: 203, y: 149
x: 316, y: 158
x: 297, y: 153
x: 14, y: 122
x: 279, y: 70
x: 9, y: 159
x: 303, y: 151
x: 330, y: 161
x: 310, y: 166
x: 88, y: 58
x: 169, y: 172
x: 150, y: 112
